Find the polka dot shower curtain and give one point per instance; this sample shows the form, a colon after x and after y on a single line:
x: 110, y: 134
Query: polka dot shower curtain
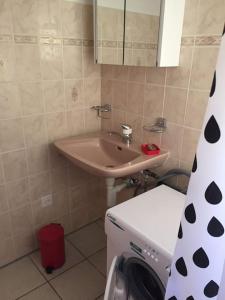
x: 198, y: 268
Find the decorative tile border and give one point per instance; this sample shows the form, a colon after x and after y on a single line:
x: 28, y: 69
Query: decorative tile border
x: 207, y: 40
x: 188, y: 41
x: 5, y: 38
x: 25, y: 39
x: 50, y: 41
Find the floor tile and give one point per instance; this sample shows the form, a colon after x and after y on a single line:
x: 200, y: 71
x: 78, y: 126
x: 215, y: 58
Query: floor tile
x: 89, y: 239
x: 100, y: 298
x: 99, y: 261
x: 19, y: 278
x: 73, y: 257
x: 82, y: 282
x: 45, y: 292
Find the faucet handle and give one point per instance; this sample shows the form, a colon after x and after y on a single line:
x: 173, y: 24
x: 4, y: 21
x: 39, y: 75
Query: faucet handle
x: 127, y: 129
x: 126, y: 126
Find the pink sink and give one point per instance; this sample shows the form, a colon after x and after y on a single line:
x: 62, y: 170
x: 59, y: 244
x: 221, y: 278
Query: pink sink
x: 105, y: 155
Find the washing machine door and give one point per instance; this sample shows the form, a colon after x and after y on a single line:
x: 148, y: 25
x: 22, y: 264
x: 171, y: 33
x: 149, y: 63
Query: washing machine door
x: 133, y: 279
x: 116, y: 283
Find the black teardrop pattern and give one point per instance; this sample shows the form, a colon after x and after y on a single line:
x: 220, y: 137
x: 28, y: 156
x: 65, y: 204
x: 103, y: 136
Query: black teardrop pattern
x: 190, y: 214
x: 190, y: 298
x: 200, y: 258
x: 223, y: 30
x: 173, y: 298
x: 213, y: 194
x: 180, y: 232
x: 195, y: 165
x: 181, y: 267
x: 213, y: 88
x: 211, y: 289
x: 215, y: 228
x: 212, y: 131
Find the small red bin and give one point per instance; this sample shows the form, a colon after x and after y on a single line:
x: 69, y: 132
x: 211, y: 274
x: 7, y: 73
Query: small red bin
x: 52, y: 248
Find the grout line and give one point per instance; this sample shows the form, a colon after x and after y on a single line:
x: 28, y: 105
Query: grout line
x: 32, y: 290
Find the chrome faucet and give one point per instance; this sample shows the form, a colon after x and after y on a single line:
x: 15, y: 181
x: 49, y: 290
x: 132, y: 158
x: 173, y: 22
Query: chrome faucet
x: 127, y: 134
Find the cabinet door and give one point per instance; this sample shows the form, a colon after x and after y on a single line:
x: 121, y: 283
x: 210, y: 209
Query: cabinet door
x: 142, y: 22
x: 109, y: 31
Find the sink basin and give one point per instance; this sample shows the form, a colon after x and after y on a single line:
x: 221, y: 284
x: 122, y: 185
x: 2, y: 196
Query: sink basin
x: 105, y: 155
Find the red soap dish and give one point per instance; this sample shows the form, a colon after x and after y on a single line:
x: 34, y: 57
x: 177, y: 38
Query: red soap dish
x: 146, y: 151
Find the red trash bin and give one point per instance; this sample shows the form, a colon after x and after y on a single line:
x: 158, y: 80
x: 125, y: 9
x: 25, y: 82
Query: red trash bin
x: 52, y: 247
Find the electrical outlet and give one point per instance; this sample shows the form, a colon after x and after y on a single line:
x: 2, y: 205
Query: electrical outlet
x: 46, y: 200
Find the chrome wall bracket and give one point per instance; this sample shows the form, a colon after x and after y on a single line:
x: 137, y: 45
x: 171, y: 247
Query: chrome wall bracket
x: 102, y: 109
x: 158, y: 127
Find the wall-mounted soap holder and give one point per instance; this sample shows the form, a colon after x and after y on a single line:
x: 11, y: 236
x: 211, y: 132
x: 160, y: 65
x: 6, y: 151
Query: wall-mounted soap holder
x: 158, y: 127
x: 102, y: 109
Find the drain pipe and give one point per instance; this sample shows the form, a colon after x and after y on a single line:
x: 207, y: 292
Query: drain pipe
x: 112, y: 190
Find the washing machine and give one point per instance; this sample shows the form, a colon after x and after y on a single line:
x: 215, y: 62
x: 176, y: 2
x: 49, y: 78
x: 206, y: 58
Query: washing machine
x: 141, y: 238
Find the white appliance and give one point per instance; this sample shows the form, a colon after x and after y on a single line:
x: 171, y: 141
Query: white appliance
x: 141, y: 238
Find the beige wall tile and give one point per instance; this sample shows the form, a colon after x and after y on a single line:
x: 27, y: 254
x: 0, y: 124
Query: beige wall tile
x: 72, y: 19
x: 92, y: 92
x: 35, y: 131
x: 106, y: 91
x: 156, y: 75
x: 27, y: 62
x: 90, y: 69
x: 74, y: 94
x: 189, y: 144
x: 196, y: 106
x: 118, y: 117
x: 3, y: 200
x: 37, y: 159
x: 204, y: 63
x: 175, y: 103
x: 30, y: 95
x: 72, y: 59
x: 42, y: 215
x: 53, y: 96
x: 92, y: 121
x: 18, y: 193
x: 39, y: 185
x: 190, y: 17
x: 14, y: 165
x: 59, y: 179
x: 25, y: 17
x: 22, y: 220
x: 7, y: 252
x: 135, y: 121
x: 137, y: 74
x: 87, y: 22
x: 5, y: 18
x: 172, y: 140
x: 11, y: 135
x: 24, y: 244
x: 153, y: 102
x: 179, y: 76
x: 211, y: 16
x: 120, y: 95
x: 49, y: 17
x: 51, y: 61
x: 76, y: 121
x: 7, y: 59
x: 56, y: 120
x: 5, y: 226
x: 135, y: 98
x: 9, y: 101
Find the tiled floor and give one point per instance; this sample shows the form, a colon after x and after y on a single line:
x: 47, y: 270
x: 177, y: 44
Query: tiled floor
x: 82, y: 277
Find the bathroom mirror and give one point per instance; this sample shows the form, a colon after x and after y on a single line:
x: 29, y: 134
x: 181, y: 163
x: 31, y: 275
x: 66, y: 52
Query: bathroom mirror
x: 141, y: 34
x: 109, y: 23
x: 138, y: 32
